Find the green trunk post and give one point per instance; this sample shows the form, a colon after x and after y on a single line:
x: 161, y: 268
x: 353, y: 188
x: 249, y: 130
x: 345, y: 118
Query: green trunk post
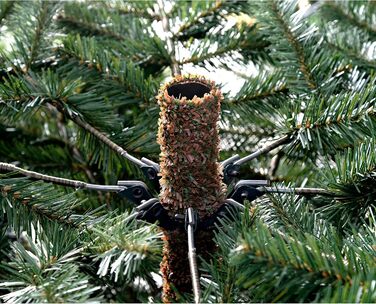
x: 190, y: 173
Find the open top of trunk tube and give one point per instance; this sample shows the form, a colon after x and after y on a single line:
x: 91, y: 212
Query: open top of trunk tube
x: 188, y: 90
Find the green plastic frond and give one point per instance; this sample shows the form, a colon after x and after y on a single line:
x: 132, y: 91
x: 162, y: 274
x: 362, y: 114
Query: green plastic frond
x: 31, y: 22
x: 127, y: 249
x: 44, y: 267
x: 132, y: 78
x: 343, y: 120
x: 201, y: 16
x: 5, y: 10
x: 23, y: 201
x: 297, y: 266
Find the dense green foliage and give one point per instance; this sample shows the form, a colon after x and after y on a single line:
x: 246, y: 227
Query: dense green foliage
x: 305, y: 73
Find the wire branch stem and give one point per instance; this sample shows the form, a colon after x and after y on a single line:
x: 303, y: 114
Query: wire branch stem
x: 103, y: 138
x: 283, y: 140
x: 170, y: 44
x: 299, y: 191
x: 59, y: 180
x: 192, y: 257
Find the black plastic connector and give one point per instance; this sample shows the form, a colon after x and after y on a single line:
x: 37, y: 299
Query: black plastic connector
x: 135, y: 191
x: 246, y: 190
x: 230, y: 172
x: 151, y: 174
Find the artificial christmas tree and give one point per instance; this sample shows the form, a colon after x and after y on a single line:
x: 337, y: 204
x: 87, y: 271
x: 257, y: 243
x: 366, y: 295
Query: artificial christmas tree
x: 78, y: 86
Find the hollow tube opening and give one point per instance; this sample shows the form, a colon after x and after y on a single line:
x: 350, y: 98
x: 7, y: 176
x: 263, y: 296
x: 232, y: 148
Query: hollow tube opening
x: 188, y: 90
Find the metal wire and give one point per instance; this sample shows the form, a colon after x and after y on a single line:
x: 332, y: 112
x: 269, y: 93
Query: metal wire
x: 299, y: 191
x: 146, y: 204
x: 151, y: 163
x: 235, y: 204
x: 59, y: 180
x: 230, y: 160
x: 263, y: 150
x: 192, y: 256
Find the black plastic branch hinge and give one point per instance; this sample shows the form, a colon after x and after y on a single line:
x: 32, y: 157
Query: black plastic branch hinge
x: 247, y: 190
x: 153, y: 212
x: 230, y: 170
x: 135, y: 191
x: 151, y: 174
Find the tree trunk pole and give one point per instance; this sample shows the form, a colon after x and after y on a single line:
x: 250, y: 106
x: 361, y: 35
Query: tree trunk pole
x: 190, y: 173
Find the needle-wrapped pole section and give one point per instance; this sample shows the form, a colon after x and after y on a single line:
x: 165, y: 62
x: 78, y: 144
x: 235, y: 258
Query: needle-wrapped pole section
x: 188, y: 136
x: 190, y: 173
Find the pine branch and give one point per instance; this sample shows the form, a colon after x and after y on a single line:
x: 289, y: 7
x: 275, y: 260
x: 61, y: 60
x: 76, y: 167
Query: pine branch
x: 139, y: 14
x: 89, y: 28
x: 23, y: 204
x: 45, y: 268
x: 132, y: 38
x: 352, y: 49
x: 354, y: 181
x: 295, y: 265
x: 127, y: 250
x: 141, y: 138
x: 302, y: 258
x: 259, y: 101
x: 175, y: 68
x: 140, y: 9
x: 202, y: 54
x: 262, y: 87
x: 31, y: 22
x: 353, y: 31
x: 41, y: 21
x: 277, y: 91
x: 296, y: 47
x: 5, y: 9
x: 294, y: 42
x: 260, y: 119
x: 357, y: 290
x: 89, y: 52
x: 220, y: 51
x: 219, y: 283
x: 243, y: 40
x: 104, y: 139
x: 58, y: 97
x: 203, y: 14
x: 47, y: 152
x: 347, y: 11
x: 356, y: 164
x: 348, y: 120
x: 99, y: 19
x: 289, y: 211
